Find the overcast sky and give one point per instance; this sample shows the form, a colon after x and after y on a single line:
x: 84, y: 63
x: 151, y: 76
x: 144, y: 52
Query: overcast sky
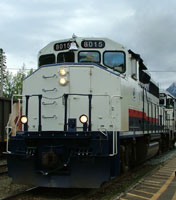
x: 148, y: 27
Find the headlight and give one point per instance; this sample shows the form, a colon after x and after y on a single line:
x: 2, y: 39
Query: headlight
x: 62, y: 71
x: 24, y: 119
x: 83, y: 119
x: 63, y: 81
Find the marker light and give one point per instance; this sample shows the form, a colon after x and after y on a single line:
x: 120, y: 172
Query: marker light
x: 24, y: 119
x: 63, y: 81
x: 62, y: 71
x: 83, y: 119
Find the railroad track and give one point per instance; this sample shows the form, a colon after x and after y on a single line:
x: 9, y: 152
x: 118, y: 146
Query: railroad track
x: 3, y: 167
x: 53, y: 193
x: 107, y: 188
x: 19, y: 193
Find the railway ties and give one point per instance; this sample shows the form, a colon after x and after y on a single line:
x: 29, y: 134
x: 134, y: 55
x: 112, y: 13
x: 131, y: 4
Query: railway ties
x: 19, y: 193
x: 43, y: 192
x: 154, y: 186
x: 3, y: 167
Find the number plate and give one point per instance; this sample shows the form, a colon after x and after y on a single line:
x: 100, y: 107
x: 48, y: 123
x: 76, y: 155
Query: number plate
x: 62, y: 46
x: 96, y: 44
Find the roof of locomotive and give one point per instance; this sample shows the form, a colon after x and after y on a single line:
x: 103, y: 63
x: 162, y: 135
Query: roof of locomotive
x: 110, y: 44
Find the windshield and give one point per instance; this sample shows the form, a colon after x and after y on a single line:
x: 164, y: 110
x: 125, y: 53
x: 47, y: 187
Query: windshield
x: 115, y: 60
x: 47, y: 59
x: 89, y: 56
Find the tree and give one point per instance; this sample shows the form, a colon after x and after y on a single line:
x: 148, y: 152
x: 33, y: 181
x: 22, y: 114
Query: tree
x: 18, y: 80
x: 2, y: 70
x: 8, y: 89
x: 13, y: 84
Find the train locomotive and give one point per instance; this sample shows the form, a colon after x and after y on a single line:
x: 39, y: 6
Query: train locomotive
x: 89, y: 112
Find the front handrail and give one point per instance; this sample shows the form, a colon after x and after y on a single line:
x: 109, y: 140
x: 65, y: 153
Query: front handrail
x: 19, y: 115
x: 8, y: 128
x: 115, y: 144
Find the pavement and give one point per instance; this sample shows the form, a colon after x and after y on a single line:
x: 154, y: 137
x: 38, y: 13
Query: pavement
x: 159, y: 185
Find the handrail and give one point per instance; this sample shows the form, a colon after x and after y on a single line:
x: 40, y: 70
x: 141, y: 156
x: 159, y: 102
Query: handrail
x: 115, y: 142
x: 52, y: 76
x: 8, y: 127
x: 115, y: 138
x: 47, y: 104
x: 101, y: 131
x: 49, y: 117
x: 19, y: 115
x: 49, y: 90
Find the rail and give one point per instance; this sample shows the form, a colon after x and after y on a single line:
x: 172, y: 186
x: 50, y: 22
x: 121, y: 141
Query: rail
x: 19, y: 193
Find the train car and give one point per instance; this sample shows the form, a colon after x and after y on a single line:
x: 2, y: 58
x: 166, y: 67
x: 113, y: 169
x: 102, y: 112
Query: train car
x: 5, y: 110
x: 90, y: 112
x: 168, y: 101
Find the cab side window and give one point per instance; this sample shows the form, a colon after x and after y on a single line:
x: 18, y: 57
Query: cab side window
x: 115, y: 60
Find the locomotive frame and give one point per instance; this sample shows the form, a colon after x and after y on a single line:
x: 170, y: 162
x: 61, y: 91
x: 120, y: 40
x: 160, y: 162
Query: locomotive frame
x: 91, y: 111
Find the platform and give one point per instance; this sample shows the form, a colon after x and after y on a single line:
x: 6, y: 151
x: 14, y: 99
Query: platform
x: 159, y: 185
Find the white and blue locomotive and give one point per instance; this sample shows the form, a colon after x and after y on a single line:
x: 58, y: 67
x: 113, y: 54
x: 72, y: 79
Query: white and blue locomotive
x: 90, y: 110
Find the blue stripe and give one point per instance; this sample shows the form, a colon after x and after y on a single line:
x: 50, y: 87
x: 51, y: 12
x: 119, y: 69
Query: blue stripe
x: 94, y: 64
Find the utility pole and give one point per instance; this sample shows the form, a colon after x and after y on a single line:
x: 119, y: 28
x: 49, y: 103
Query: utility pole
x: 2, y: 70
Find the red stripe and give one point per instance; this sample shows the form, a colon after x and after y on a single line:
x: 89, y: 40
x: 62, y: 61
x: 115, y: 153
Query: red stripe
x: 139, y: 114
